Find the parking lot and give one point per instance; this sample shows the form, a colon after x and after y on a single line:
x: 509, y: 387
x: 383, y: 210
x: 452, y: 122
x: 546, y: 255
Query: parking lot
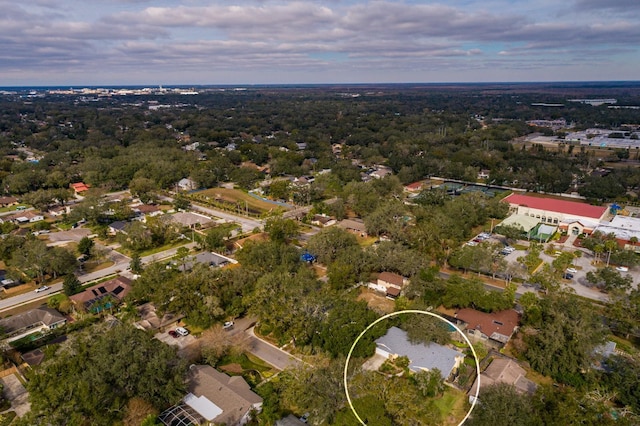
x: 583, y: 264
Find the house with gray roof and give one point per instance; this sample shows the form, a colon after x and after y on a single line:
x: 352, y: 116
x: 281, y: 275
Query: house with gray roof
x: 36, y: 320
x: 213, y: 399
x: 504, y: 370
x: 421, y: 356
x: 209, y: 258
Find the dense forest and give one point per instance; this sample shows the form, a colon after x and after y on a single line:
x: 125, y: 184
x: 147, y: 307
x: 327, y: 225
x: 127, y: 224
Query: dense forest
x: 452, y: 133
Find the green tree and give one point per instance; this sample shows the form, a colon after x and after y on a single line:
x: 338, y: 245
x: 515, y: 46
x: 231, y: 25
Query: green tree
x: 561, y: 341
x: 281, y: 229
x: 93, y: 377
x: 328, y: 244
x: 609, y: 280
x: 71, y: 285
x: 32, y: 258
x: 136, y: 263
x: 181, y: 202
x: 215, y: 238
x: 502, y: 405
x: 429, y: 383
x: 426, y: 329
x: 85, y: 245
x: 143, y: 188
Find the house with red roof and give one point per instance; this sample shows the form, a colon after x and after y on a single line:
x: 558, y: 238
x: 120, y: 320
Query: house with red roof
x: 79, y: 187
x: 571, y: 216
x: 414, y: 187
x: 103, y: 295
x: 495, y: 329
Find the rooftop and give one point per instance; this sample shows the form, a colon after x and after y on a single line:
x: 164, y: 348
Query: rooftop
x: 504, y: 370
x: 497, y: 325
x: 421, y: 356
x: 118, y: 288
x: 392, y: 278
x: 558, y: 206
x: 42, y: 315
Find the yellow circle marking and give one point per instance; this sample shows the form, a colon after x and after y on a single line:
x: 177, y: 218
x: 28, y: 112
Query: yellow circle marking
x: 411, y: 311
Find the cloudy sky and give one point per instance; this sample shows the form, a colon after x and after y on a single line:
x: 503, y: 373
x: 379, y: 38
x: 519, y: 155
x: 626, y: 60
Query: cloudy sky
x: 117, y: 42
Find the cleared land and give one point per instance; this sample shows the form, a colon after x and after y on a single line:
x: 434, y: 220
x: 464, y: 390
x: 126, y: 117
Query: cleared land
x: 234, y: 197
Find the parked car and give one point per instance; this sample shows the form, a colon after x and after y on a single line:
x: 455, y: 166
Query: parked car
x: 622, y: 269
x: 43, y: 288
x: 182, y: 331
x: 567, y: 276
x: 228, y: 325
x: 305, y: 418
x: 572, y: 270
x: 173, y: 333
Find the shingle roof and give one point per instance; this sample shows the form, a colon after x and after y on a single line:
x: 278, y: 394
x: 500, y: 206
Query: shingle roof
x: 503, y: 370
x: 232, y: 394
x: 44, y: 315
x: 391, y: 278
x: 497, y: 325
x: 559, y: 206
x: 118, y: 287
x: 356, y: 225
x: 421, y: 356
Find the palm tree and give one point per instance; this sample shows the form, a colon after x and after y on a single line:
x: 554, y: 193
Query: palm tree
x: 597, y: 251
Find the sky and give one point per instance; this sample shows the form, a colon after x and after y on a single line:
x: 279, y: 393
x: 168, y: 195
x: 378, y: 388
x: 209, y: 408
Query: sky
x: 159, y: 42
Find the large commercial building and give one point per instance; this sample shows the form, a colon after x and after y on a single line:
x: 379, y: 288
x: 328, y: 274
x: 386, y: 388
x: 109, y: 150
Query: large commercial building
x: 572, y: 216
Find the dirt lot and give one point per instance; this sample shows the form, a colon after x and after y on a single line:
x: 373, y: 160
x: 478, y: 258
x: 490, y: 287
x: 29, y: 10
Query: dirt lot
x: 376, y: 301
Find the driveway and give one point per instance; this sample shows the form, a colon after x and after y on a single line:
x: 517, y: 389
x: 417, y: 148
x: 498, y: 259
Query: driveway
x: 15, y: 392
x: 181, y: 341
x: 270, y: 353
x: 70, y: 235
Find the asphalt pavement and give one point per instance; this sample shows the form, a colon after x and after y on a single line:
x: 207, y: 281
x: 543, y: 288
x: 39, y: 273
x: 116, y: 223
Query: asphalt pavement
x: 270, y: 353
x: 246, y: 223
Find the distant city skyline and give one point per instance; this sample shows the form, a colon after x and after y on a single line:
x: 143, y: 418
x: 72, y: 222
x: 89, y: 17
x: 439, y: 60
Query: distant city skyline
x: 140, y: 42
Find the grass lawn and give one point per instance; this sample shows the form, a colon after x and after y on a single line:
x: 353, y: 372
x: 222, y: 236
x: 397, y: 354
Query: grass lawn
x: 149, y: 252
x: 91, y: 266
x: 452, y: 406
x: 13, y: 208
x: 246, y: 361
x: 253, y: 369
x: 63, y: 226
x: 366, y: 241
x: 233, y: 196
x: 22, y: 308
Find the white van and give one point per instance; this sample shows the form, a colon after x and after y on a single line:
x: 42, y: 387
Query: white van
x: 182, y: 331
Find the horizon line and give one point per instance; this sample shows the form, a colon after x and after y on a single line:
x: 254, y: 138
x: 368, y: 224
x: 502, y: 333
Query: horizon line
x: 320, y: 84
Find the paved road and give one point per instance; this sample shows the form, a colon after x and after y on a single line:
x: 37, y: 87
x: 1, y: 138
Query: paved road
x: 247, y: 224
x: 270, y: 353
x: 164, y: 254
x: 121, y: 264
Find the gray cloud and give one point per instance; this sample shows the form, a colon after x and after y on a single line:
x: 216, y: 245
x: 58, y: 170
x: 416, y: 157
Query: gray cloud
x: 305, y: 37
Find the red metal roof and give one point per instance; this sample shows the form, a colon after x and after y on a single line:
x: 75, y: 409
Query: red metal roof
x: 558, y: 206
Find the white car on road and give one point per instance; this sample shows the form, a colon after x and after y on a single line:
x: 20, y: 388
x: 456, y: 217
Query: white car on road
x: 572, y: 270
x: 43, y: 288
x: 622, y: 269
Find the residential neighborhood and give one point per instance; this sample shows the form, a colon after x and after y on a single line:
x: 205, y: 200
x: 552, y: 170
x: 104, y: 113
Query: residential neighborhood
x: 219, y: 262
